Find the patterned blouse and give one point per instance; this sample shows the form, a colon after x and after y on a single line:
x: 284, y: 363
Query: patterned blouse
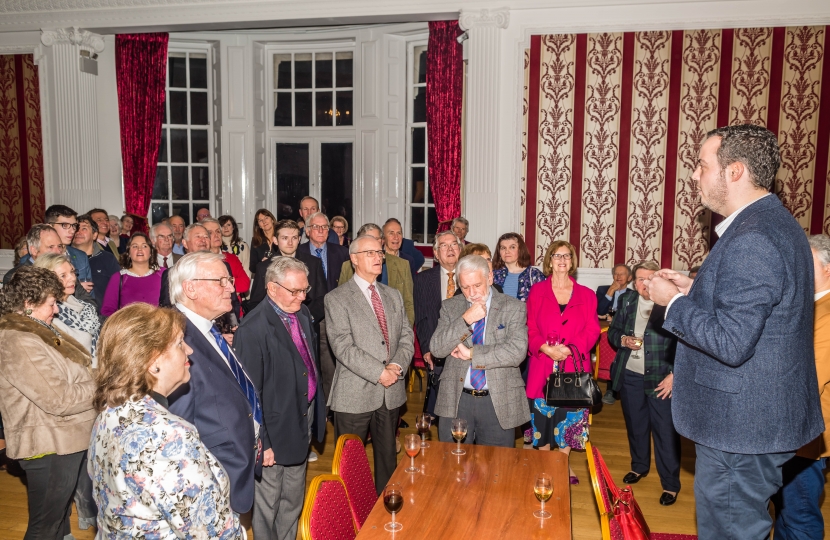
x: 153, y: 478
x: 529, y: 277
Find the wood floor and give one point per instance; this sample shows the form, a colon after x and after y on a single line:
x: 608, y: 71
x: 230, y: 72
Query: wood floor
x: 607, y: 434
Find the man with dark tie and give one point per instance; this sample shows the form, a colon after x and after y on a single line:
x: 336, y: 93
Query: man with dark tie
x: 276, y: 344
x: 308, y: 207
x: 373, y: 343
x: 161, y: 235
x: 220, y: 399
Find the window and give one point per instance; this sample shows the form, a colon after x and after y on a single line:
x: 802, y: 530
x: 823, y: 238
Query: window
x: 422, y: 219
x: 313, y: 89
x: 183, y: 175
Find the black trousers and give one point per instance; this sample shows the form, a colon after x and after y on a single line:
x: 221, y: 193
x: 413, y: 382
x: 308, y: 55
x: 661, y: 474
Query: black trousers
x: 384, y: 423
x: 647, y: 417
x: 50, y: 482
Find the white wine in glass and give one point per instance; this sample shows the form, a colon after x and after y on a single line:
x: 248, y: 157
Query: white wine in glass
x: 543, y: 489
x: 459, y: 431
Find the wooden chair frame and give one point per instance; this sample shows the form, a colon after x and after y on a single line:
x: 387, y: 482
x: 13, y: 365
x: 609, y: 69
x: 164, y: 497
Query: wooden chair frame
x: 308, y: 504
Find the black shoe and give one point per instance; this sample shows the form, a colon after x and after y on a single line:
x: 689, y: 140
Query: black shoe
x: 633, y: 478
x: 403, y: 424
x: 667, y: 499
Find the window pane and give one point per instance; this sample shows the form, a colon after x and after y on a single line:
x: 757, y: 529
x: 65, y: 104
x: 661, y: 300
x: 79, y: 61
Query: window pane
x: 198, y: 70
x: 164, y: 108
x: 419, y: 145
x: 344, y: 108
x: 419, y: 64
x: 302, y: 70
x: 163, y: 147
x: 282, y: 114
x: 343, y: 65
x: 198, y: 108
x: 302, y: 109
x: 418, y: 185
x: 160, y: 188
x: 419, y: 105
x: 178, y: 145
x: 282, y: 71
x: 432, y: 225
x: 177, y: 70
x: 178, y: 107
x: 336, y: 172
x: 418, y: 224
x: 182, y: 210
x: 158, y: 212
x: 323, y: 109
x: 292, y: 178
x: 179, y: 177
x: 322, y: 70
x: 198, y: 146
x: 200, y: 184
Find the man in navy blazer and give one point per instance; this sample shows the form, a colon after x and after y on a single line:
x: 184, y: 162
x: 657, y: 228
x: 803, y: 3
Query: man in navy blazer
x: 608, y: 295
x: 745, y: 386
x: 219, y: 399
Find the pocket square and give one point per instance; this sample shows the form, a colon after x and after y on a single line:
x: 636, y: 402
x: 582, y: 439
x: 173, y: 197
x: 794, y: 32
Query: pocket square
x: 501, y: 327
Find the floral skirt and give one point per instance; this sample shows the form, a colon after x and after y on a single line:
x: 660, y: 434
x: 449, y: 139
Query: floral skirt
x: 558, y: 426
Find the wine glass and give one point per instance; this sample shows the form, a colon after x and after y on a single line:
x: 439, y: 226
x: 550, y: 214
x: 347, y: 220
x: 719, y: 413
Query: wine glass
x: 459, y: 431
x: 638, y: 341
x: 552, y: 339
x: 412, y: 444
x: 543, y: 489
x: 393, y: 502
x: 611, y: 313
x: 423, y: 423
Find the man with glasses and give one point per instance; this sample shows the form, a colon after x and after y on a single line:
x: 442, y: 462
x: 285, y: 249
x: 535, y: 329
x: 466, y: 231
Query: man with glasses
x: 308, y: 207
x: 373, y: 342
x: 333, y: 255
x: 161, y: 235
x: 102, y: 220
x: 276, y: 344
x: 432, y: 287
x: 102, y: 262
x: 65, y: 221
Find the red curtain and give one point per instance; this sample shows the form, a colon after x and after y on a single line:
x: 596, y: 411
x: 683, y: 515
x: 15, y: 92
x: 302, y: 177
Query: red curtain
x: 141, y: 68
x: 445, y: 83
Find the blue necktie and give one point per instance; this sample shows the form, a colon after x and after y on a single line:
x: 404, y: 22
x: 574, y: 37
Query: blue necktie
x: 477, y: 377
x: 320, y: 256
x: 239, y: 374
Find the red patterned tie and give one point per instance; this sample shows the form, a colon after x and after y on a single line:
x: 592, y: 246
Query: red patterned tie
x: 377, y: 305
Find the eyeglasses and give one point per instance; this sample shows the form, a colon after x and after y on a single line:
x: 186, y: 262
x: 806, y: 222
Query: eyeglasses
x: 318, y: 227
x: 65, y: 226
x: 445, y: 247
x: 370, y: 253
x: 293, y: 291
x: 223, y: 281
x: 558, y: 256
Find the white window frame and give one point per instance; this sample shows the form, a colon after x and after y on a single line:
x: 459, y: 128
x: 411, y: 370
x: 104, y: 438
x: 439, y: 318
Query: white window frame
x: 411, y: 87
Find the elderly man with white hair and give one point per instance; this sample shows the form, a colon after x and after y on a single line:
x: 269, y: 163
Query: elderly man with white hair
x: 161, y: 235
x: 220, y: 399
x: 483, y: 336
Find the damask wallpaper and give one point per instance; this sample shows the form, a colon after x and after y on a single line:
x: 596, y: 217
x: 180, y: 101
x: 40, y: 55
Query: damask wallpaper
x: 22, y: 200
x: 614, y: 122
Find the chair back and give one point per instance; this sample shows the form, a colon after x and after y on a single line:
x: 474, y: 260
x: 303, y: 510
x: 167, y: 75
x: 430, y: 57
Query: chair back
x: 605, y: 357
x: 352, y: 465
x: 326, y: 513
x: 609, y: 526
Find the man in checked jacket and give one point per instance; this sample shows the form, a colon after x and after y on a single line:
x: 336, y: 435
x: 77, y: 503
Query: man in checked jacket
x: 642, y: 374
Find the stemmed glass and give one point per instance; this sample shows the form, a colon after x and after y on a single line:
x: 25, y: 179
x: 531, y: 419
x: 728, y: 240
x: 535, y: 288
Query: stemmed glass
x: 423, y: 423
x: 393, y: 502
x: 543, y: 489
x: 459, y: 431
x: 638, y: 341
x: 413, y: 445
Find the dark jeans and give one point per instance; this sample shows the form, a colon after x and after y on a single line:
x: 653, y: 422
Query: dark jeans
x: 50, y: 482
x: 797, y: 511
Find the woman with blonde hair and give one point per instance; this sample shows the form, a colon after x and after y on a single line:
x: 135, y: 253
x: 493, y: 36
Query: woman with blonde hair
x: 340, y: 226
x: 150, y: 471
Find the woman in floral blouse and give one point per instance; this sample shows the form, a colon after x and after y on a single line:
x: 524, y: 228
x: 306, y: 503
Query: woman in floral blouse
x: 152, y: 475
x: 512, y: 267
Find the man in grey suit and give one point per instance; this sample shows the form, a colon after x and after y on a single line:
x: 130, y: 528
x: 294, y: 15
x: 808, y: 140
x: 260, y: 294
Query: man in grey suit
x: 745, y: 386
x: 483, y: 336
x: 373, y: 342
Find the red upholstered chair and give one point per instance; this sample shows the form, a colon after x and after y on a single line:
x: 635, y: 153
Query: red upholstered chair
x: 417, y: 368
x: 352, y: 465
x: 605, y: 357
x: 326, y: 514
x: 608, y: 524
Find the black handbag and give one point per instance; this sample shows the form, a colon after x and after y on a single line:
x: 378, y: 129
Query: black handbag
x: 575, y: 390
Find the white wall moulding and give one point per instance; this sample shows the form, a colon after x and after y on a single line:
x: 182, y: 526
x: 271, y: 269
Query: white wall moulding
x: 82, y: 38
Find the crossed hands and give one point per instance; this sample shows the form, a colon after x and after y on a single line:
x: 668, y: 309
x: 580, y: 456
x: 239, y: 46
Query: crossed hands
x: 390, y: 375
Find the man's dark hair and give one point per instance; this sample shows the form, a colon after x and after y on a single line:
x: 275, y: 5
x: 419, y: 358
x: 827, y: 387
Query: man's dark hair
x: 58, y: 210
x: 87, y: 218
x: 754, y: 146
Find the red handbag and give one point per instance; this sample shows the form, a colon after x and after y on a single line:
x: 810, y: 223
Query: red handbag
x: 627, y: 512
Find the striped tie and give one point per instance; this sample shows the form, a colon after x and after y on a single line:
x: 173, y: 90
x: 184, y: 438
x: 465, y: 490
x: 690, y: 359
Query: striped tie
x: 477, y: 377
x: 377, y: 305
x: 239, y: 374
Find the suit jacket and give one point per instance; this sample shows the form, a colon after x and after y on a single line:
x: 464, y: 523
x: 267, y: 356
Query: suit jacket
x: 400, y: 279
x: 217, y: 406
x: 603, y: 303
x: 316, y: 279
x: 505, y: 347
x: 745, y: 364
x: 336, y: 255
x: 659, y: 344
x: 272, y: 361
x: 103, y: 265
x: 427, y: 297
x: 357, y: 341
x: 408, y: 247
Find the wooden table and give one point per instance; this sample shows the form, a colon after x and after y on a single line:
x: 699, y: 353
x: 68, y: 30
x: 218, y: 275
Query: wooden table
x: 487, y: 493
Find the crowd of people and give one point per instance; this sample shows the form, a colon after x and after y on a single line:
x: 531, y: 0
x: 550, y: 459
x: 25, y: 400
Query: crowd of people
x: 169, y: 381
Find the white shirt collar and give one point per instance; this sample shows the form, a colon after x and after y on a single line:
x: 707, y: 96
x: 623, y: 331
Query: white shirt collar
x: 723, y: 225
x: 362, y: 283
x: 204, y: 325
x: 820, y: 295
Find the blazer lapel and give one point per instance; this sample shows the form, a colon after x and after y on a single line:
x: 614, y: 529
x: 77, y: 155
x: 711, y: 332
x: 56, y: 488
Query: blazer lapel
x: 392, y: 320
x: 493, y: 318
x: 363, y: 305
x: 200, y: 344
x: 282, y: 335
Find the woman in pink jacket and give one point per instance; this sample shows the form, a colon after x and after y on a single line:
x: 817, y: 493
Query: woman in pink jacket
x: 560, y: 312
